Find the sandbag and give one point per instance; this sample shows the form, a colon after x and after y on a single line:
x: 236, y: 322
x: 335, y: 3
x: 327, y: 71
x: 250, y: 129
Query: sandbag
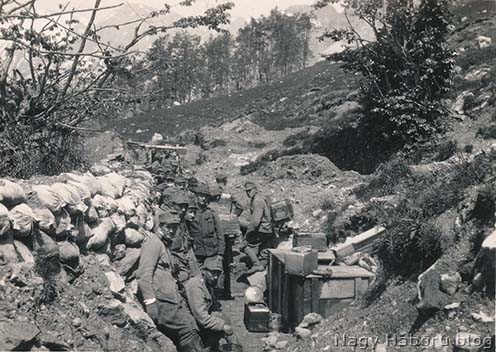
x: 68, y: 193
x: 107, y: 189
x: 133, y: 237
x: 4, y: 220
x: 118, y: 181
x: 8, y: 252
x: 45, y: 219
x: 11, y: 194
x: 69, y: 253
x: 100, y: 170
x: 47, y: 255
x: 25, y: 254
x: 119, y: 222
x: 105, y: 206
x: 127, y: 206
x: 42, y: 196
x: 127, y: 266
x: 23, y: 219
x: 101, y: 233
x: 82, y: 189
x: 87, y: 179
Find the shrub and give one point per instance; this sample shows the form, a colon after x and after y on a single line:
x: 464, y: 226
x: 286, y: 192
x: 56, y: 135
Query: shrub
x: 487, y: 132
x: 446, y: 150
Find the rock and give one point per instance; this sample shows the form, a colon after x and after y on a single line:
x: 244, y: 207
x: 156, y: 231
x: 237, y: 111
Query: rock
x: 136, y: 314
x: 117, y: 285
x: 459, y: 105
x: 316, y: 213
x: 450, y: 283
x: 452, y: 306
x: 464, y: 19
x: 310, y: 320
x: 76, y: 322
x: 17, y: 335
x: 429, y: 293
x: 8, y: 252
x: 467, y: 342
x: 114, y: 311
x: 483, y: 317
x: 302, y: 333
x: 483, y: 42
x: 485, y: 266
x: 478, y: 74
x: 157, y: 138
x: 281, y: 345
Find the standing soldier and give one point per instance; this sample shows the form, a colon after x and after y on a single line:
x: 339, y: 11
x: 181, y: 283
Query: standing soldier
x: 231, y: 201
x: 208, y: 240
x: 157, y: 283
x: 259, y: 235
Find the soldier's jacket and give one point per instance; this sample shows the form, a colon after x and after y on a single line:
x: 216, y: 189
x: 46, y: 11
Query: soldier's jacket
x: 155, y: 272
x: 230, y: 201
x: 206, y: 233
x: 260, y: 218
x: 183, y: 255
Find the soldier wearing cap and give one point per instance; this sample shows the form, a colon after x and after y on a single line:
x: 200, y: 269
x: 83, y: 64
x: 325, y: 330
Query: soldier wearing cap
x: 208, y: 240
x: 157, y: 282
x: 230, y: 201
x: 259, y: 233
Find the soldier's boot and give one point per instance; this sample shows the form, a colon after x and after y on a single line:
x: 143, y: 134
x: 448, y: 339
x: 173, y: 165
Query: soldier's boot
x: 256, y: 264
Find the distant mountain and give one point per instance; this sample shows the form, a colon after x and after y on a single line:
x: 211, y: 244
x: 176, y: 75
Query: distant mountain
x: 329, y: 18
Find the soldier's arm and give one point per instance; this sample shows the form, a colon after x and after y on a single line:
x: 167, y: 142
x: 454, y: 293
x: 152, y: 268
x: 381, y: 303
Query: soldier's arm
x: 237, y: 206
x: 219, y: 233
x: 256, y: 217
x: 150, y: 254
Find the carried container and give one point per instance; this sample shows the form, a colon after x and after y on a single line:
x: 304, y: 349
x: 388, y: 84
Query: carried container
x: 229, y: 224
x: 281, y: 211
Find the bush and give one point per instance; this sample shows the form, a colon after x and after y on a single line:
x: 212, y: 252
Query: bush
x: 446, y: 150
x: 487, y: 132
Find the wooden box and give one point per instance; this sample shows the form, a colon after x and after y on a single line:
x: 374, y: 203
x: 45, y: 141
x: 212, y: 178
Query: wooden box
x: 301, y: 263
x: 325, y: 294
x: 278, y: 284
x: 256, y: 317
x: 281, y: 211
x: 317, y: 241
x: 229, y: 224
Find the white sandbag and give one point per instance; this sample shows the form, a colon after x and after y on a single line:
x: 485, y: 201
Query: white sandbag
x: 133, y: 237
x: 127, y: 206
x: 24, y: 253
x: 101, y: 233
x: 4, y: 220
x: 42, y: 196
x: 69, y: 252
x: 99, y: 170
x: 22, y: 219
x: 83, y: 190
x: 150, y: 223
x: 135, y: 222
x: 46, y: 219
x: 71, y: 197
x: 11, y: 193
x: 118, y: 181
x: 119, y: 222
x: 105, y: 206
x: 107, y: 189
x: 86, y: 179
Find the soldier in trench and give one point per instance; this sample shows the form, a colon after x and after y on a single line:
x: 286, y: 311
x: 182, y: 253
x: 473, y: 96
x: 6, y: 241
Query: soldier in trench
x: 157, y: 281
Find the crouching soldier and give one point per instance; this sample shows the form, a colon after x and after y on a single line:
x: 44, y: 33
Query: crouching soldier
x: 213, y: 326
x: 157, y: 283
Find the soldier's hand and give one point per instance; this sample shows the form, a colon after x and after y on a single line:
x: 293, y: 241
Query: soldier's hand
x: 228, y: 330
x: 152, y: 311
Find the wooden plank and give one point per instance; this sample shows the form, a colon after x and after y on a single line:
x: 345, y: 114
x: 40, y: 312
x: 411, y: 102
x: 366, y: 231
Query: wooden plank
x: 179, y: 150
x: 353, y: 244
x: 343, y: 271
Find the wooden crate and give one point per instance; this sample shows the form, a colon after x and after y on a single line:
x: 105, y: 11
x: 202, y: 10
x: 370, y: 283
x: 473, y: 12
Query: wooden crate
x: 256, y: 318
x: 325, y: 294
x: 229, y: 224
x: 317, y: 241
x: 278, y: 284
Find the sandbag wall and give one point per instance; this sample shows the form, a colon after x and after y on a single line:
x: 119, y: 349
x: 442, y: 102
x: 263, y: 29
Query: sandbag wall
x: 106, y: 211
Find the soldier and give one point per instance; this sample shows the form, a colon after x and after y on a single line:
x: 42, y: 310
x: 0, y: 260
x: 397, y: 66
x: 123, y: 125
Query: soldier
x: 231, y: 201
x: 208, y: 240
x: 213, y: 325
x: 259, y: 235
x: 157, y: 283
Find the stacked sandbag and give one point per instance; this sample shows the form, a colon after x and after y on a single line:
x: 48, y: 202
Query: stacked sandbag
x: 73, y: 213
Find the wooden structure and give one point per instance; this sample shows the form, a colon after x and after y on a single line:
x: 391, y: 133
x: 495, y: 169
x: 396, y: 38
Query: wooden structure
x: 326, y: 291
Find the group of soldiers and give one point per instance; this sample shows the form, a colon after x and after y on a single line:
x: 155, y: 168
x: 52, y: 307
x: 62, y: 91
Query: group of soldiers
x: 182, y: 261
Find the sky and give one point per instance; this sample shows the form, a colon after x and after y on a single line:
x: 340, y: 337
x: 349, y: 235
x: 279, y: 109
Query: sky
x: 242, y: 8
